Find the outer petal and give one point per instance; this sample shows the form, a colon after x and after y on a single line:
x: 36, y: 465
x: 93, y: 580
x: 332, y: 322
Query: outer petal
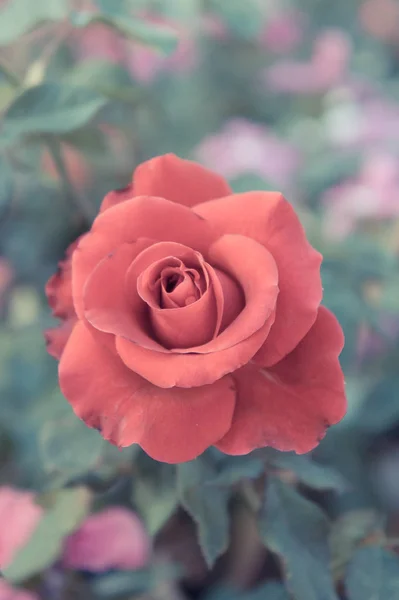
x: 290, y: 405
x: 170, y: 425
x: 59, y: 286
x: 147, y: 217
x: 57, y: 337
x: 181, y: 181
x: 269, y: 219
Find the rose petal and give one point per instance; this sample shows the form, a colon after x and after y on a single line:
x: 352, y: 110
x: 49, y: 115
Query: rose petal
x: 59, y: 287
x: 116, y: 196
x: 141, y: 217
x: 269, y: 219
x: 8, y: 592
x: 19, y: 517
x: 114, y: 538
x: 170, y: 425
x: 290, y: 405
x: 186, y: 326
x: 106, y: 303
x: 190, y: 370
x: 181, y: 181
x: 57, y: 337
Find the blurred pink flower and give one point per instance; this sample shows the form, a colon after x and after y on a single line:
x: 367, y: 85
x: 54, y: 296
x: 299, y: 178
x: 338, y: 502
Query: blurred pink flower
x: 326, y: 68
x: 246, y: 147
x: 7, y: 592
x: 143, y: 62
x: 6, y: 277
x: 112, y: 539
x: 283, y: 32
x: 372, y: 195
x: 380, y: 18
x: 19, y: 517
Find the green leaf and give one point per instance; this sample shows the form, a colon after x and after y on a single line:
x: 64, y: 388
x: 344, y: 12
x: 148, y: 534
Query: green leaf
x: 160, y: 37
x: 20, y: 16
x: 308, y: 472
x: 67, y: 510
x: 68, y: 447
x: 346, y: 535
x: 154, y: 492
x: 244, y: 19
x: 89, y: 141
x: 112, y: 81
x: 51, y: 108
x: 268, y: 591
x: 297, y: 531
x: 208, y: 507
x: 234, y: 469
x: 373, y: 574
x: 6, y: 185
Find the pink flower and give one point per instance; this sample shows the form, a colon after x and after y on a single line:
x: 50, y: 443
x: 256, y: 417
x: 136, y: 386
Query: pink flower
x: 326, y: 68
x: 246, y: 147
x: 7, y: 592
x: 372, y: 195
x: 143, y: 62
x: 112, y: 539
x: 19, y: 517
x: 283, y: 32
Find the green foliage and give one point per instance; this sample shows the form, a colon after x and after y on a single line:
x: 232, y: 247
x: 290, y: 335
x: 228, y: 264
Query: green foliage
x: 6, y: 185
x: 269, y: 591
x: 373, y: 573
x: 51, y: 108
x: 65, y: 511
x: 117, y: 16
x: 244, y: 20
x: 297, y: 531
x: 111, y: 81
x: 308, y: 472
x: 154, y: 492
x: 20, y: 16
x: 68, y: 448
x: 208, y: 506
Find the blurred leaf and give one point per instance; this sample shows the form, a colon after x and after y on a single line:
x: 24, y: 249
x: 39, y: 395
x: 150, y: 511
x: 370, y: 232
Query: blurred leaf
x: 373, y: 574
x: 154, y: 492
x: 297, y: 530
x: 113, y: 585
x: 244, y: 19
x: 268, y: 591
x: 233, y: 469
x: 89, y: 141
x: 112, y: 81
x: 250, y: 181
x: 208, y: 507
x: 66, y: 511
x: 309, y: 472
x: 347, y: 533
x: 51, y: 108
x: 68, y: 447
x: 6, y: 185
x: 160, y: 37
x: 380, y: 409
x: 20, y: 16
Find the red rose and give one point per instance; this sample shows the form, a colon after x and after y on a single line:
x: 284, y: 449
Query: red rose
x: 198, y: 320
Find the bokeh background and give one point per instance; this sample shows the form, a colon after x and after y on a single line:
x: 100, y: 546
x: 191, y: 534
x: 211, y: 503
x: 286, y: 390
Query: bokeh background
x: 300, y: 96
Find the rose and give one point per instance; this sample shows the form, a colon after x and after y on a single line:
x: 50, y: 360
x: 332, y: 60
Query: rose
x: 196, y: 320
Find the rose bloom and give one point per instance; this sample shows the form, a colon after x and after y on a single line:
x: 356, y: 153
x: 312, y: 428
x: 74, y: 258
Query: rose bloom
x: 191, y: 317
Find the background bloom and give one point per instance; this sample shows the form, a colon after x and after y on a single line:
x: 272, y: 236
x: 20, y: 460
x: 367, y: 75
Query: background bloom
x: 114, y: 538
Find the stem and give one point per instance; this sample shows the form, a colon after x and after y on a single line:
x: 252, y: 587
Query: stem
x: 78, y: 198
